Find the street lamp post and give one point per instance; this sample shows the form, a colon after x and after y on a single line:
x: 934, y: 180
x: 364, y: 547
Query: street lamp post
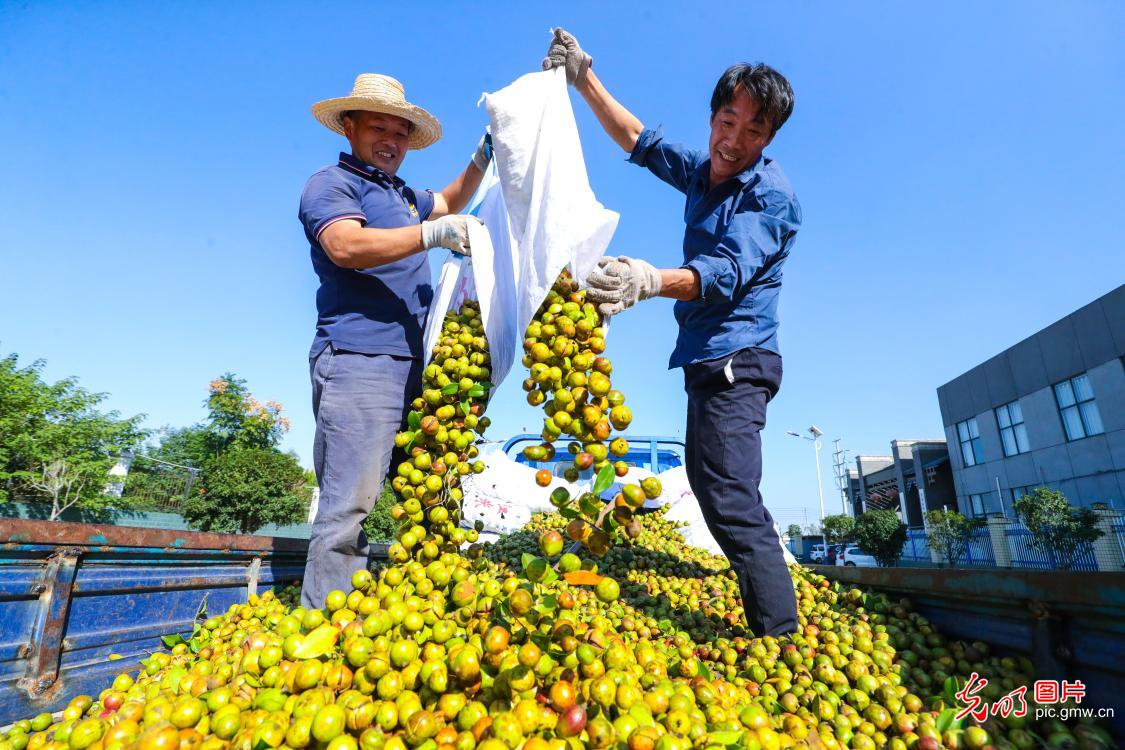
x: 814, y: 437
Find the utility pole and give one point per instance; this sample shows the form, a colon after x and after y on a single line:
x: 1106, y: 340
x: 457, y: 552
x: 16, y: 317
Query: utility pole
x: 840, y: 467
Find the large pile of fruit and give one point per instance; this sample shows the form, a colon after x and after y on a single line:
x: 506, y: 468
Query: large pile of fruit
x: 637, y: 644
x: 491, y: 650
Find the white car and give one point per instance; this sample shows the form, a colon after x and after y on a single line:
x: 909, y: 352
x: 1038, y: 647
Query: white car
x: 852, y: 557
x: 816, y: 555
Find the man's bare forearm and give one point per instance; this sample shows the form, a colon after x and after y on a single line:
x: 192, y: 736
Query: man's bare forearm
x: 456, y: 194
x: 351, y: 246
x: 619, y: 123
x: 680, y: 284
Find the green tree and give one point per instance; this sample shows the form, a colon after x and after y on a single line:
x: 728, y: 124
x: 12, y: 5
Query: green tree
x: 1056, y: 526
x: 881, y: 534
x: 238, y: 420
x: 234, y: 419
x: 55, y: 442
x: 949, y: 534
x: 837, y: 528
x: 794, y: 531
x: 246, y: 482
x: 187, y: 446
x: 243, y: 489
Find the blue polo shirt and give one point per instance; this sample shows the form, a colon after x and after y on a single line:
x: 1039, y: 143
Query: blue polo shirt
x: 378, y: 310
x: 737, y: 238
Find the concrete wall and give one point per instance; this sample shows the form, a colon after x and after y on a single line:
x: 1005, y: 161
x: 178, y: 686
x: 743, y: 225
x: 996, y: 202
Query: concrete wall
x: 1087, y: 470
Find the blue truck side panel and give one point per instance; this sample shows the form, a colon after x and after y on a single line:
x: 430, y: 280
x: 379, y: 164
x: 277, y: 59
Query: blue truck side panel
x: 1070, y: 624
x: 81, y: 603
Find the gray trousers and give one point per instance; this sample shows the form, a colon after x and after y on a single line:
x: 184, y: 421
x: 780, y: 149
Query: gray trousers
x: 359, y: 402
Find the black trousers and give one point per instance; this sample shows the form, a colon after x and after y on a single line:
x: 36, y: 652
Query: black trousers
x: 727, y: 401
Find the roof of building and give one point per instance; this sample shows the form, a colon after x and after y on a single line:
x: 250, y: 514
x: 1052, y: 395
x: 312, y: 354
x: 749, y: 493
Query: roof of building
x: 1090, y: 321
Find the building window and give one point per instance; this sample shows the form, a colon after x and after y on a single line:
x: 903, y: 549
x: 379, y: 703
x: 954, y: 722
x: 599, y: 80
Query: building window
x: 1013, y: 433
x: 931, y: 475
x: 1077, y: 407
x: 969, y: 435
x: 976, y: 505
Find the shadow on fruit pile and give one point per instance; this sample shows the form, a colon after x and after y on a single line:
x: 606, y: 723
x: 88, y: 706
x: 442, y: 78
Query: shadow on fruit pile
x: 674, y: 588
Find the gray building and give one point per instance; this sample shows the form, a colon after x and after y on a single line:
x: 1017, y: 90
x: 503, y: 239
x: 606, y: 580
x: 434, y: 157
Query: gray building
x: 855, y: 492
x: 924, y: 478
x: 875, y: 476
x: 914, y: 476
x: 1048, y: 411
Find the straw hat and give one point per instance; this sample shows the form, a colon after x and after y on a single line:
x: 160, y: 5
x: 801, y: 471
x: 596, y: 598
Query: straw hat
x: 378, y: 93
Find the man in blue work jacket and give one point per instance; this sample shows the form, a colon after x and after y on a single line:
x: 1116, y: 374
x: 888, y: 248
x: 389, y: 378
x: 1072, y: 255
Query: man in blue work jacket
x: 742, y: 218
x: 368, y: 232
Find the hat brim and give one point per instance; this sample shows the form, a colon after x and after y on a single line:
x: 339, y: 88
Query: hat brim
x: 426, y: 132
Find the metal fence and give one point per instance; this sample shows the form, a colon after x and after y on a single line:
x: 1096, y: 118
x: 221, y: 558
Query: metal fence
x: 152, y: 484
x: 1027, y: 555
x: 916, y: 547
x: 978, y: 551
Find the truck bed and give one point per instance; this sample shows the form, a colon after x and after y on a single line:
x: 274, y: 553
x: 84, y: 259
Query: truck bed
x: 80, y: 603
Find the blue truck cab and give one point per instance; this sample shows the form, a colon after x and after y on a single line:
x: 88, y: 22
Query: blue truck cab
x: 657, y: 454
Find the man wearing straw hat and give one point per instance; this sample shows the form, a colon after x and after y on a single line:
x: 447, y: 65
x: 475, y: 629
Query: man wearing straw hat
x: 742, y: 217
x: 368, y: 232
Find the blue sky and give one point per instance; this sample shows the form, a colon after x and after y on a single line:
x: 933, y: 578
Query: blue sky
x: 959, y: 166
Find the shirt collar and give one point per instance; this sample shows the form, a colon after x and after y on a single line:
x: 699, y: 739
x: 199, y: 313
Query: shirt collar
x: 368, y: 172
x: 703, y: 171
x: 745, y: 175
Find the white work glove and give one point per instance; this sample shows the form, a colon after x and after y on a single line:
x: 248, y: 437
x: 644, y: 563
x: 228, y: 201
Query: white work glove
x: 564, y: 51
x: 619, y: 283
x: 450, y: 232
x: 483, y: 155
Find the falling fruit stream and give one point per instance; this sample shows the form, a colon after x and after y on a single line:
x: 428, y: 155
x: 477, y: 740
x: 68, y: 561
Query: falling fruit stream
x: 636, y: 643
